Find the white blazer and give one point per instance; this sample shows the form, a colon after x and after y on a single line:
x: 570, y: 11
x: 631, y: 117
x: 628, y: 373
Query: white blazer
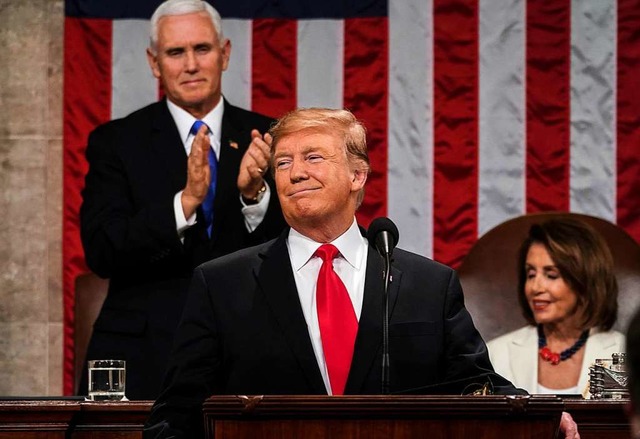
x: 515, y: 355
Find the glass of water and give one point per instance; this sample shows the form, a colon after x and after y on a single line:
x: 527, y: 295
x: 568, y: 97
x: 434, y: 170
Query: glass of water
x: 107, y: 380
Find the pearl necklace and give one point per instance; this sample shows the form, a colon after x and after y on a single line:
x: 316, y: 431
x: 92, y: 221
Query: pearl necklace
x: 553, y: 357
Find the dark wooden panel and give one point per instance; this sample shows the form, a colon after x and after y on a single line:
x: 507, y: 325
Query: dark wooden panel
x: 600, y: 418
x: 381, y: 417
x: 325, y: 417
x: 36, y: 419
x: 111, y: 420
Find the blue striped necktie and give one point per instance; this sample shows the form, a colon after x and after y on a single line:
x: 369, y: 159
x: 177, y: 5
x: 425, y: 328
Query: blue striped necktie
x: 207, y: 204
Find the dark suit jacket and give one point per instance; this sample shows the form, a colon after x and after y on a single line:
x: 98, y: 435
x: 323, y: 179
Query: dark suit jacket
x: 136, y: 166
x: 243, y: 332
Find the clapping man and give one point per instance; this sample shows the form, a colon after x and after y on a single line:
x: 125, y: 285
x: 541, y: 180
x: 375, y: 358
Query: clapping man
x: 170, y: 186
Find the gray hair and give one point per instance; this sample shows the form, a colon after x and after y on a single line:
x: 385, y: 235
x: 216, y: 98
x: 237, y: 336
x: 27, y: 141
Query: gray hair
x: 181, y: 7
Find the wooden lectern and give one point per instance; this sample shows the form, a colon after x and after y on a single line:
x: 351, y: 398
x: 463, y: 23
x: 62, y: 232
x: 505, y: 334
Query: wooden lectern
x: 382, y: 417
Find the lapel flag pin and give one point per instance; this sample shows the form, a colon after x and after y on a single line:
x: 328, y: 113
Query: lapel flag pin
x: 233, y: 144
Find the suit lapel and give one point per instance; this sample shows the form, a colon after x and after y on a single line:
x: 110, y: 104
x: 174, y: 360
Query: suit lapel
x: 523, y: 352
x: 369, y: 338
x: 230, y: 157
x: 275, y: 278
x: 226, y: 200
x: 167, y: 145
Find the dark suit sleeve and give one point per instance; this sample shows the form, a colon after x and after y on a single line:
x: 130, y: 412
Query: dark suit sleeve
x: 120, y: 230
x: 192, y: 370
x: 466, y: 355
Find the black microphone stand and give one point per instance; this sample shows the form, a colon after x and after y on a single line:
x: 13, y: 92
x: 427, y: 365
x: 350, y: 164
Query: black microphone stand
x: 385, y: 326
x: 385, y: 235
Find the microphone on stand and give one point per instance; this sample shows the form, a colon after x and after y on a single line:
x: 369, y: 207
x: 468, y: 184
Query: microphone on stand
x: 384, y: 234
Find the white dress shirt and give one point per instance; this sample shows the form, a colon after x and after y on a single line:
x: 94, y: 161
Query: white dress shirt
x: 253, y: 214
x: 350, y: 265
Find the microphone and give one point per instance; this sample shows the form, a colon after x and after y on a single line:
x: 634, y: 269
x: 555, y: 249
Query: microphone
x: 384, y: 233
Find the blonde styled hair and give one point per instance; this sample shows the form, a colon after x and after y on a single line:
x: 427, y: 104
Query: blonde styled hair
x: 327, y: 121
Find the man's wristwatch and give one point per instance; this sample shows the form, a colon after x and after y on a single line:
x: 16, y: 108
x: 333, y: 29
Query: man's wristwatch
x: 258, y: 197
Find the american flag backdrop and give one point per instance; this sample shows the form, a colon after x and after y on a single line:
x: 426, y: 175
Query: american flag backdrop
x: 477, y: 110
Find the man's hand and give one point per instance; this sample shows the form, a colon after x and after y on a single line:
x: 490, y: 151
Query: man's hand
x: 569, y: 427
x: 254, y: 165
x: 198, y: 173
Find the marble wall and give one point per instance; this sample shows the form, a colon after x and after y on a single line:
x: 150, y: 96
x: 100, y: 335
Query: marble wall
x: 31, y: 37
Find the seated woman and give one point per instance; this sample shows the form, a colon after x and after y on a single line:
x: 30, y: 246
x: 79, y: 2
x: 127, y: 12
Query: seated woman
x: 568, y: 293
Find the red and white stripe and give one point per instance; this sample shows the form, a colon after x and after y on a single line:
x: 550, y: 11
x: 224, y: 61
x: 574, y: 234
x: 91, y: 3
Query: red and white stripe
x: 477, y: 110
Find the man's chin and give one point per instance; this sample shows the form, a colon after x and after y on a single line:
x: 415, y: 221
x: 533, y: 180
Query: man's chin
x: 303, y: 215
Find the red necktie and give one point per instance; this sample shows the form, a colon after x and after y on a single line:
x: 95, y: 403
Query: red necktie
x: 338, y: 322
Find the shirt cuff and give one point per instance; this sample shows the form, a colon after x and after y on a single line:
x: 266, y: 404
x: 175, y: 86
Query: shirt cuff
x: 182, y: 223
x: 254, y: 214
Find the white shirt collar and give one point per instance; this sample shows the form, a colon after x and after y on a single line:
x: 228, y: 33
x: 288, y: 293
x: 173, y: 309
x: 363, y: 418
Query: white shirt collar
x: 350, y: 245
x: 184, y: 120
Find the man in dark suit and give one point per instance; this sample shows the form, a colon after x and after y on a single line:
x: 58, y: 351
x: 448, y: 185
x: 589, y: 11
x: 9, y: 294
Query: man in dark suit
x: 256, y: 321
x: 143, y: 217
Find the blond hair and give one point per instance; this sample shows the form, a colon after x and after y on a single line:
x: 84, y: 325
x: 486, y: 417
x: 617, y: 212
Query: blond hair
x: 341, y: 123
